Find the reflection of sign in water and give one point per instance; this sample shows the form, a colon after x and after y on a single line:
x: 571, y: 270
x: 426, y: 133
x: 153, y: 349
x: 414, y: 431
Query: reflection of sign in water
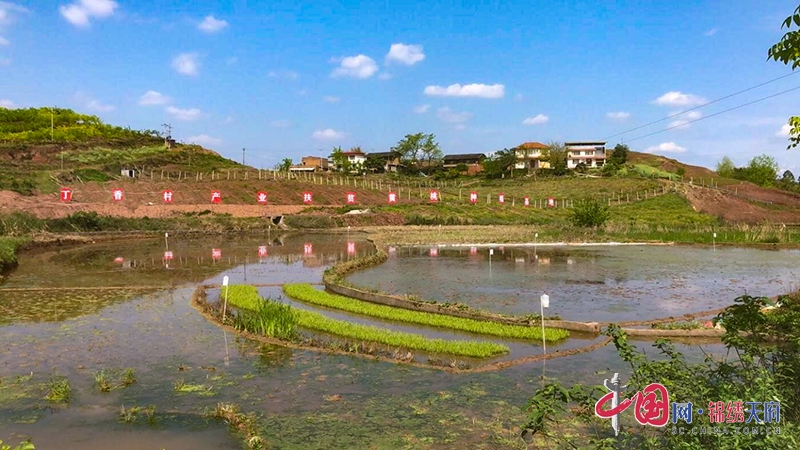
x: 308, y: 249
x: 392, y: 250
x: 117, y: 195
x: 262, y: 251
x: 434, y: 251
x: 473, y: 197
x: 351, y: 198
x: 261, y: 198
x: 307, y: 198
x: 216, y: 253
x: 216, y: 197
x: 501, y: 198
x: 66, y: 194
x: 351, y: 248
x: 392, y: 197
x: 168, y: 255
x: 433, y: 196
x: 167, y: 196
x: 473, y: 251
x: 526, y: 201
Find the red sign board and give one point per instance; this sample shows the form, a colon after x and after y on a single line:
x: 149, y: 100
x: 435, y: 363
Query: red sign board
x: 473, y: 251
x: 308, y: 249
x: 261, y: 198
x: 66, y: 194
x: 434, y: 196
x: 473, y: 197
x: 351, y: 198
x: 307, y: 198
x: 119, y: 260
x: 216, y: 197
x: 527, y: 201
x: 168, y: 256
x: 262, y: 251
x: 392, y: 198
x: 118, y: 195
x: 167, y: 196
x: 501, y: 198
x: 434, y: 251
x: 216, y: 253
x: 551, y: 202
x: 351, y: 248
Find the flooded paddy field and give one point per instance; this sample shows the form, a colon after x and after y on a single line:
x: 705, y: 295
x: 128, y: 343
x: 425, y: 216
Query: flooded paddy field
x: 136, y: 314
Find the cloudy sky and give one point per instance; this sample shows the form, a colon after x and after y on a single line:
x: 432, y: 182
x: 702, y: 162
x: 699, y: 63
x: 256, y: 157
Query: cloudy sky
x: 294, y: 79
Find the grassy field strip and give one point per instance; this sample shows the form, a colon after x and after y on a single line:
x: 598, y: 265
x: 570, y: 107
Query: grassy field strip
x: 246, y: 297
x: 307, y: 293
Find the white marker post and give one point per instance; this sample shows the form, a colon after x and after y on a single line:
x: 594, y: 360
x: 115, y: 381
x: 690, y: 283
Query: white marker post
x: 491, y: 252
x: 225, y: 304
x: 715, y: 241
x: 166, y: 242
x: 544, y: 302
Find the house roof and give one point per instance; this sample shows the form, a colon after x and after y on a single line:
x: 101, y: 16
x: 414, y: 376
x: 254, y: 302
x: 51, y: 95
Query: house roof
x: 538, y: 145
x: 464, y: 157
x: 384, y: 154
x: 353, y: 153
x: 585, y: 143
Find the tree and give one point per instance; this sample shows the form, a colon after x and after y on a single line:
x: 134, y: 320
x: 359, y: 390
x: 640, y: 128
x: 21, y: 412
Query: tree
x: 589, y: 213
x: 499, y: 163
x: 411, y: 147
x: 375, y: 163
x: 787, y: 51
x: 762, y: 170
x: 788, y: 177
x: 726, y: 168
x: 285, y: 165
x: 339, y: 160
x: 556, y: 155
x: 431, y: 151
x: 619, y: 155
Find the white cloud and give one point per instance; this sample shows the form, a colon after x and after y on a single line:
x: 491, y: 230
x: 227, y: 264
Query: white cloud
x: 280, y: 124
x: 785, y: 129
x: 683, y: 121
x: 619, y: 116
x: 359, y: 66
x: 96, y: 105
x: 536, y: 120
x: 422, y: 109
x: 8, y: 104
x: 187, y: 64
x: 676, y: 98
x: 184, y: 114
x: 448, y: 115
x: 4, y: 42
x: 405, y: 54
x: 81, y: 12
x: 211, y: 25
x: 288, y: 74
x: 467, y: 90
x: 154, y: 98
x: 711, y: 32
x: 666, y: 147
x: 330, y: 99
x: 204, y: 140
x: 328, y: 134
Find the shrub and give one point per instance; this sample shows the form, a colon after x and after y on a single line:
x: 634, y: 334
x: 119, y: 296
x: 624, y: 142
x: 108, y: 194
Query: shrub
x: 589, y: 213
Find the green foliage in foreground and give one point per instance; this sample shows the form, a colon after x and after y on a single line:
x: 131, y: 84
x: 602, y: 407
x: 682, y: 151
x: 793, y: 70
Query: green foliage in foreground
x: 589, y: 213
x: 307, y: 293
x: 26, y: 445
x: 8, y: 251
x: 262, y: 316
x: 761, y: 365
x: 247, y: 297
x: 59, y: 390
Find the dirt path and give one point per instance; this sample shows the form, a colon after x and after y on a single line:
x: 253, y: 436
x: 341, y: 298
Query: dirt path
x: 732, y: 208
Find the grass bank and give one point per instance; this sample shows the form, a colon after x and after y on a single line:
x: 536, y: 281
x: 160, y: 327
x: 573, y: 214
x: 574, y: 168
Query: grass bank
x: 8, y: 251
x: 246, y: 297
x: 309, y: 294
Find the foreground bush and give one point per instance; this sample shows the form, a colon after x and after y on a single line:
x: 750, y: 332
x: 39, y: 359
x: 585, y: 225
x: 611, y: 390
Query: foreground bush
x: 589, y: 213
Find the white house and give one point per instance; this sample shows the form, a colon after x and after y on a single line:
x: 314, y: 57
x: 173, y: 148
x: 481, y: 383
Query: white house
x: 356, y: 157
x: 591, y: 153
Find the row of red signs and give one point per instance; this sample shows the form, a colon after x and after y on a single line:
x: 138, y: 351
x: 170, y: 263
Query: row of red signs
x: 216, y: 253
x: 167, y: 196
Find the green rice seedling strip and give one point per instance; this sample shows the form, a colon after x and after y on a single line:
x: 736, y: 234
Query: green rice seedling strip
x: 307, y: 293
x: 246, y: 297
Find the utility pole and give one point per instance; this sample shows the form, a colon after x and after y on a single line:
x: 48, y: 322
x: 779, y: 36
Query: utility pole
x: 168, y: 128
x: 243, y: 156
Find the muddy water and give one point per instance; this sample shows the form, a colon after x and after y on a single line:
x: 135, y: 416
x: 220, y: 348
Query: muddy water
x: 303, y: 399
x: 588, y: 283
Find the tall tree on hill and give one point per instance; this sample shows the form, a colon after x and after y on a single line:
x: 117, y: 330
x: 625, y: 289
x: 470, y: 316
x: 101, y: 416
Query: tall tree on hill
x: 762, y: 170
x: 285, y: 165
x: 556, y: 154
x: 411, y: 147
x: 499, y: 163
x: 339, y: 160
x: 619, y: 155
x: 726, y: 168
x: 787, y: 51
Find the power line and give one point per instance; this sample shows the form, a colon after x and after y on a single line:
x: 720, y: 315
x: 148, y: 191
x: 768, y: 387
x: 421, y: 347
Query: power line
x: 717, y: 113
x: 705, y: 104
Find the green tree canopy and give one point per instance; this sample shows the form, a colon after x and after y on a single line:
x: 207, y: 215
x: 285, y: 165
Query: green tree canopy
x: 556, y: 155
x: 499, y: 163
x: 415, y: 146
x: 787, y: 51
x: 726, y: 168
x: 762, y: 170
x: 619, y: 155
x: 339, y: 160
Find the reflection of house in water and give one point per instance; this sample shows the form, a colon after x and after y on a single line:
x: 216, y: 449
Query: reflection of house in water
x: 313, y: 261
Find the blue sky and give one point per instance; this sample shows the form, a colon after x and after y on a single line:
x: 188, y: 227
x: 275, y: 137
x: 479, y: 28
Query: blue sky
x: 289, y: 79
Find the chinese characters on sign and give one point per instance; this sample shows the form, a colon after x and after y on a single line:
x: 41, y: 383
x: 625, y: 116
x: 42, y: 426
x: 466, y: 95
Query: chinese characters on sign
x: 167, y: 196
x: 66, y: 194
x: 501, y: 198
x: 117, y: 195
x: 434, y: 196
x: 526, y: 201
x: 473, y: 197
x: 307, y: 198
x: 216, y: 253
x: 351, y: 198
x: 262, y: 251
x: 551, y: 202
x: 308, y: 249
x: 351, y: 248
x: 216, y: 197
x: 168, y: 255
x: 392, y: 198
x: 261, y: 198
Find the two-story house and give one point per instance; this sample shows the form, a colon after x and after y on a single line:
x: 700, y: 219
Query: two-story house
x: 531, y: 155
x: 590, y: 153
x: 355, y: 157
